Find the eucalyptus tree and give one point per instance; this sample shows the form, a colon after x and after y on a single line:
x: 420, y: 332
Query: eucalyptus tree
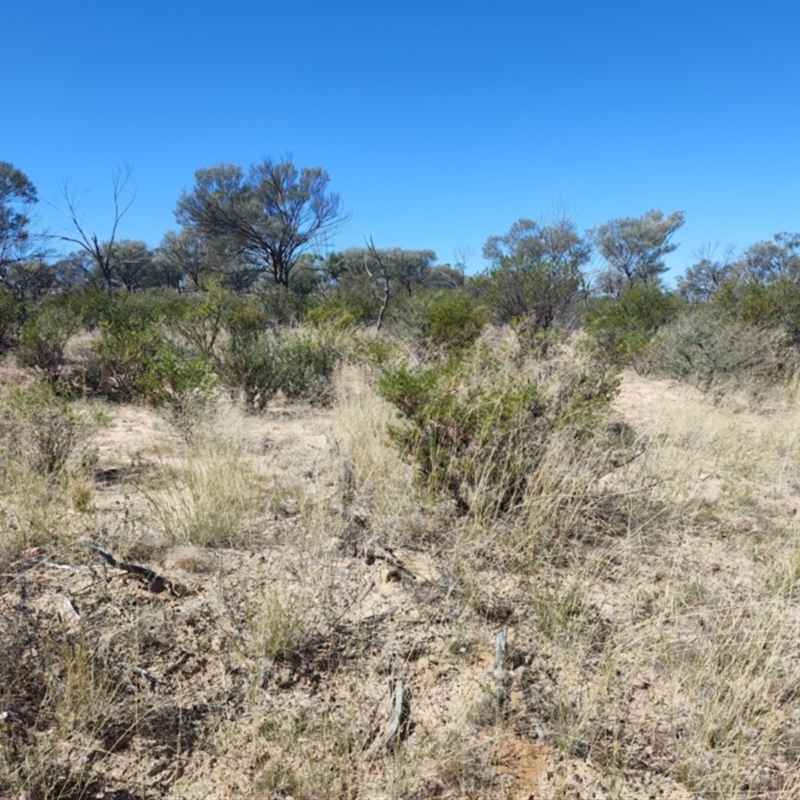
x: 634, y: 248
x: 408, y: 270
x: 17, y: 197
x: 266, y: 217
x: 535, y: 271
x: 706, y: 275
x: 182, y: 256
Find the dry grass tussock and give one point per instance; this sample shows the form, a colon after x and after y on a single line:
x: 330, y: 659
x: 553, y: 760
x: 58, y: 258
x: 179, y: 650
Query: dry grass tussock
x: 648, y: 577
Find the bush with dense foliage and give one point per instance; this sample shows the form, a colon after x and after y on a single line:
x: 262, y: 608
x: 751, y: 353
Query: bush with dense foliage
x: 12, y: 314
x: 451, y: 319
x: 44, y: 336
x: 261, y: 363
x: 478, y: 424
x: 135, y: 358
x: 624, y: 325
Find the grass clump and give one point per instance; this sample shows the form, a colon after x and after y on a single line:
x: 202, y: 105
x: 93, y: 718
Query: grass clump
x: 211, y: 496
x: 41, y: 437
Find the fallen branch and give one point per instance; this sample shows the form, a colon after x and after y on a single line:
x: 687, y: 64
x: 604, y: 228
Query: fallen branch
x: 155, y: 583
x: 373, y: 550
x: 397, y: 727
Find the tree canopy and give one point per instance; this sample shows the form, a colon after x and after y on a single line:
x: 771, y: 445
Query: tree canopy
x: 268, y: 216
x: 536, y: 271
x: 634, y: 248
x: 17, y: 195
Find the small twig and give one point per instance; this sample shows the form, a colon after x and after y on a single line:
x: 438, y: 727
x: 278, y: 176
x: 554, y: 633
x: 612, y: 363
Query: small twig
x: 145, y: 674
x: 178, y: 663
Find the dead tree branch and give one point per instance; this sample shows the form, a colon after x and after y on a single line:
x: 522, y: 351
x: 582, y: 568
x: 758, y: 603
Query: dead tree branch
x: 386, y: 287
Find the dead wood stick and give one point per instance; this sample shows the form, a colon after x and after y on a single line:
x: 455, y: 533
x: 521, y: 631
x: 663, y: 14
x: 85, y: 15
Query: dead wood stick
x: 178, y: 663
x: 155, y: 582
x: 502, y: 676
x: 397, y: 727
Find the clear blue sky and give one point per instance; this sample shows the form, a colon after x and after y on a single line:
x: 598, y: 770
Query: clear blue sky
x: 439, y: 123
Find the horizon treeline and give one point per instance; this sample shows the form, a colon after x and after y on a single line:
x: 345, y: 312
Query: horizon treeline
x: 264, y: 231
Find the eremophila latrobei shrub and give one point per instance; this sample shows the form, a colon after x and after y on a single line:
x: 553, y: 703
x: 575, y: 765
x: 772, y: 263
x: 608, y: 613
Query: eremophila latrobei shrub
x: 299, y: 365
x: 44, y: 336
x: 477, y: 425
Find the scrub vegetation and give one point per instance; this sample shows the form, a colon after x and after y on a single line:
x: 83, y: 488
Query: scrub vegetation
x: 275, y: 524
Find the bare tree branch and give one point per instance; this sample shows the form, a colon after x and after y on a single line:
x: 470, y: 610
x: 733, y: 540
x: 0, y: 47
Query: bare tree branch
x: 101, y: 254
x: 373, y: 253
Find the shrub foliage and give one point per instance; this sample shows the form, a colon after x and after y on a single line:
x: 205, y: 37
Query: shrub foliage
x: 477, y: 430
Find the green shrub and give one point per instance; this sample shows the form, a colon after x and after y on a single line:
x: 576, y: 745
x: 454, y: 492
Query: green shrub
x: 201, y: 319
x: 373, y: 351
x: 296, y: 364
x: 12, y: 314
x: 355, y: 300
x: 307, y: 366
x: 477, y: 427
x: 135, y: 358
x: 283, y: 306
x: 773, y: 304
x: 624, y: 325
x: 334, y: 314
x: 452, y: 319
x: 43, y: 337
x: 539, y: 290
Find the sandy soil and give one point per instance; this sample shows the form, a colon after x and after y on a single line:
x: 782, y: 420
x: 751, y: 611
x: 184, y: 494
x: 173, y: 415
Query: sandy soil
x: 198, y: 709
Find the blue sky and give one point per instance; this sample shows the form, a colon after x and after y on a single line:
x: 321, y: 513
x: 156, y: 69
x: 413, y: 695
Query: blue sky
x: 439, y: 123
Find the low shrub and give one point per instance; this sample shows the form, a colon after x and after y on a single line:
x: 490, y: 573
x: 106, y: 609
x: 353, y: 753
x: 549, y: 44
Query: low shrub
x: 41, y: 428
x: 477, y: 425
x: 708, y: 351
x: 12, y: 314
x: 452, y: 319
x: 297, y: 364
x: 136, y: 358
x: 623, y: 326
x: 334, y: 313
x: 43, y: 337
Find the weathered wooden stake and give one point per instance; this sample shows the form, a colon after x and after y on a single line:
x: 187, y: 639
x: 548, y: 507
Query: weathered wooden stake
x: 502, y: 676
